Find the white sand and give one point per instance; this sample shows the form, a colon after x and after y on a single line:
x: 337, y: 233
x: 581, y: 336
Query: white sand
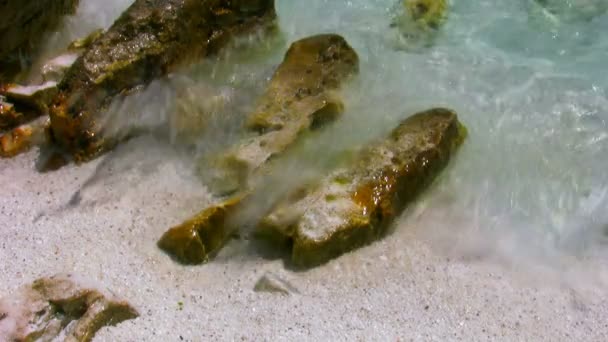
x: 402, y: 288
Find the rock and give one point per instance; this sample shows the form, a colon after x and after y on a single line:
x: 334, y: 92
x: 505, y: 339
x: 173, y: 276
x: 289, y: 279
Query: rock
x: 83, y: 43
x: 59, y: 307
x: 22, y: 26
x: 418, y: 21
x: 9, y: 116
x: 299, y: 97
x: 37, y: 97
x: 355, y: 203
x: 272, y: 283
x: 149, y: 40
x: 195, y: 107
x: 54, y: 69
x: 22, y: 138
x: 202, y: 236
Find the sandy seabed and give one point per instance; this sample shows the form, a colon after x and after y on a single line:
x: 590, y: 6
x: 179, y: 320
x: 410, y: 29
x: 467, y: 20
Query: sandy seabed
x: 102, y: 220
x: 468, y: 262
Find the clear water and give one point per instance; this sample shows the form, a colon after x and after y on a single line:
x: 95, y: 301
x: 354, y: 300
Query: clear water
x: 531, y: 179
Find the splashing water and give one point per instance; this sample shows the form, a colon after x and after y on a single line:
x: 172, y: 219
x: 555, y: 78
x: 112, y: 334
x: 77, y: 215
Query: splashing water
x: 531, y: 179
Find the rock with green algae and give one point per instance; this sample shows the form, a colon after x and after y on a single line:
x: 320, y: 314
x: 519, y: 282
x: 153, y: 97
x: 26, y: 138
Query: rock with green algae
x: 59, y: 308
x: 22, y: 27
x: 354, y: 204
x: 300, y: 96
x: 150, y: 39
x: 418, y: 21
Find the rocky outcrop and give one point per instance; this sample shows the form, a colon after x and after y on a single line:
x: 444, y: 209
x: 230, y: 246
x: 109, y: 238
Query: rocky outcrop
x: 58, y: 308
x: 300, y: 97
x: 22, y: 26
x: 355, y: 204
x: 149, y: 40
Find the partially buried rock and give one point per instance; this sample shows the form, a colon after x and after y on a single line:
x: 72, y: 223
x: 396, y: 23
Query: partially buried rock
x: 57, y: 308
x: 149, y: 40
x: 22, y: 26
x: 300, y: 97
x: 354, y: 204
x: 272, y: 283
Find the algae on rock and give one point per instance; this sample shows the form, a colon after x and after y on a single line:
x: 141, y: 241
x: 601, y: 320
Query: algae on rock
x: 354, y: 204
x: 149, y: 40
x: 418, y: 21
x: 59, y: 307
x: 301, y: 96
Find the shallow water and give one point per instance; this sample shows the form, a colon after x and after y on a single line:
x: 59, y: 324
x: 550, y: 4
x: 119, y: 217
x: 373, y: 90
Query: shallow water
x: 531, y: 179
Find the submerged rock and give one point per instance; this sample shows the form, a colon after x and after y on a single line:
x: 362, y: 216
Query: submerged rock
x: 354, y: 204
x: 22, y: 26
x: 272, y: 283
x: 299, y: 97
x: 418, y: 21
x: 149, y: 40
x: 59, y: 308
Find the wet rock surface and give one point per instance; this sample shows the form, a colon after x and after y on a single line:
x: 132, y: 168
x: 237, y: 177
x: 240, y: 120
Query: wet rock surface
x: 418, y: 21
x: 22, y: 26
x: 355, y: 204
x: 300, y: 97
x: 59, y: 309
x: 149, y: 40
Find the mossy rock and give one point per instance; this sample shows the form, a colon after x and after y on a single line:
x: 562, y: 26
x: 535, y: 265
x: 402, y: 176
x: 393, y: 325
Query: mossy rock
x: 355, y: 204
x: 149, y: 40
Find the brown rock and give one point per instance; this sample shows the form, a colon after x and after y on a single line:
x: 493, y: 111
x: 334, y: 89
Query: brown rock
x: 149, y: 40
x: 300, y: 96
x: 354, y: 204
x: 59, y: 307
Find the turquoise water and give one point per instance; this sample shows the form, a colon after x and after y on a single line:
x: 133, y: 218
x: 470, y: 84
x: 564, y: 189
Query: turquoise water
x: 531, y: 89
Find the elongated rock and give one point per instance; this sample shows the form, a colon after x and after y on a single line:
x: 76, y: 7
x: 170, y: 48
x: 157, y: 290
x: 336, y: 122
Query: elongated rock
x: 354, y: 204
x: 59, y: 307
x: 299, y: 97
x: 150, y: 39
x: 22, y: 26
